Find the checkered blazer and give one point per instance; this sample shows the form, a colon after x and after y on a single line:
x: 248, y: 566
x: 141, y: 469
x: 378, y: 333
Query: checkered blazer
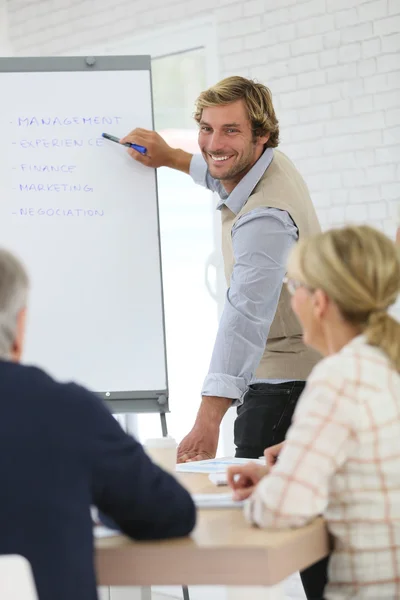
x: 342, y: 459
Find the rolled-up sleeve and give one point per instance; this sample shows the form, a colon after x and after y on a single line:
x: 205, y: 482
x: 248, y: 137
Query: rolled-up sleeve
x: 262, y: 240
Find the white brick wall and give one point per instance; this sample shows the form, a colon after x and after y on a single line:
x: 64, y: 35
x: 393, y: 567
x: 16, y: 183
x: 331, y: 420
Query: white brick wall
x: 333, y: 67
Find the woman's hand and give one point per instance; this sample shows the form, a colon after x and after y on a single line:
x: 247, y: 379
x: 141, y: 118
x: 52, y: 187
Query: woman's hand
x: 244, y: 478
x: 271, y: 454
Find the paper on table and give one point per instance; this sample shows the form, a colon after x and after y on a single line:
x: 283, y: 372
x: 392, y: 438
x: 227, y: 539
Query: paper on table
x: 218, y: 478
x: 215, y: 465
x: 216, y: 501
x: 101, y: 532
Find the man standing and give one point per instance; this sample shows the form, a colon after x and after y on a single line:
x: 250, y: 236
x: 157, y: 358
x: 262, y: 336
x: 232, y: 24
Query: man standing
x: 259, y: 362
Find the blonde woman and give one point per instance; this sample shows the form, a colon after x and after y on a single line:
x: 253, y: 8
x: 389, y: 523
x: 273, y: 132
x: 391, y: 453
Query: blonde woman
x: 341, y: 456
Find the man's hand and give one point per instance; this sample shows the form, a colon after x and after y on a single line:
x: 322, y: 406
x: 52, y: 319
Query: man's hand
x: 159, y: 153
x: 202, y: 442
x: 271, y: 454
x: 244, y: 478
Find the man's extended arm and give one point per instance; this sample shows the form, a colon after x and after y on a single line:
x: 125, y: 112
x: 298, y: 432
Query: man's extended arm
x: 261, y: 242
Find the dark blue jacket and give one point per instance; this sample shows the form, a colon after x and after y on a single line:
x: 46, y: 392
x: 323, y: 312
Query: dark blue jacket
x: 61, y: 452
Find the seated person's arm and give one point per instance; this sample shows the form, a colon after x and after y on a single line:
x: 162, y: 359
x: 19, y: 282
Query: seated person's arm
x: 317, y: 444
x: 143, y: 500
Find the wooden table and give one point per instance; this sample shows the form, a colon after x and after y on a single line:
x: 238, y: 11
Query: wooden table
x: 222, y: 550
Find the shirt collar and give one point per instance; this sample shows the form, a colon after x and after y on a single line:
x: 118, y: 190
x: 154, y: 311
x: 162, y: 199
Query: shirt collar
x: 240, y: 194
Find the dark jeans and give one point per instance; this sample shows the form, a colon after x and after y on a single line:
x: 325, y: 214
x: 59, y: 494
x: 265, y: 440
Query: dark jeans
x: 262, y: 421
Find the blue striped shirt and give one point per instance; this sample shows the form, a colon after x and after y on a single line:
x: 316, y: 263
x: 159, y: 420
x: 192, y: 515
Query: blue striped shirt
x: 262, y: 240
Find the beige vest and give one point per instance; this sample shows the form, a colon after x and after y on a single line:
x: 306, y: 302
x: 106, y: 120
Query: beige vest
x: 281, y: 186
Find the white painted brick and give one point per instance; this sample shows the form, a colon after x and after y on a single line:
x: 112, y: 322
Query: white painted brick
x: 391, y: 136
x: 391, y: 43
x: 278, y: 52
x: 393, y: 79
x: 254, y: 41
x: 321, y: 199
x: 371, y: 48
x: 275, y: 17
x: 355, y: 124
x: 324, y: 181
x: 390, y: 154
x: 388, y: 62
x: 366, y: 67
x: 364, y: 195
x: 350, y: 53
x: 394, y: 7
x: 393, y: 118
x: 377, y: 210
x: 391, y: 191
x: 286, y: 32
x: 335, y: 5
x: 341, y: 73
x: 376, y: 84
x: 316, y: 25
x: 296, y: 99
x: 225, y: 14
x: 288, y: 117
x: 341, y: 108
x: 356, y: 214
x: 345, y: 18
x: 339, y: 197
x: 320, y: 164
x: 326, y: 93
x: 253, y: 7
x: 353, y: 177
x: 321, y: 112
x: 387, y: 26
x: 371, y: 11
x: 323, y: 217
x: 231, y: 45
x: 296, y: 151
x: 306, y: 45
x: 386, y: 100
x: 392, y: 209
x: 331, y: 39
x: 275, y: 70
x: 343, y: 160
x: 300, y: 64
x: 328, y: 58
x: 237, y: 60
x: 306, y: 80
x: 363, y: 104
x: 389, y: 229
x: 271, y: 5
x: 353, y: 88
x: 307, y: 9
x: 284, y: 84
x: 245, y: 26
x: 381, y: 174
x: 357, y: 141
x: 336, y: 215
x: 307, y: 132
x: 356, y: 33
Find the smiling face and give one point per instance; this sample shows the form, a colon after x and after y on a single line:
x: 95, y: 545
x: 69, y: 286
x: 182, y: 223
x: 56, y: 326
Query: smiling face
x: 227, y: 142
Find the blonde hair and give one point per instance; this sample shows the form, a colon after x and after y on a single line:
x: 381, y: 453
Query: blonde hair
x: 359, y: 269
x: 257, y: 99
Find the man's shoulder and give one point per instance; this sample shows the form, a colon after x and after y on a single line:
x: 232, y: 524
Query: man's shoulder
x: 30, y: 382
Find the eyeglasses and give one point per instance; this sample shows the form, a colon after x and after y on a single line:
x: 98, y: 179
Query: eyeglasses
x: 295, y: 284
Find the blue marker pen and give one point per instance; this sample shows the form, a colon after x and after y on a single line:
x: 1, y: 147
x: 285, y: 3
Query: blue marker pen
x: 136, y: 147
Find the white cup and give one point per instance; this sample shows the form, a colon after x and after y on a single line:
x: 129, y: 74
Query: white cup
x: 163, y: 452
